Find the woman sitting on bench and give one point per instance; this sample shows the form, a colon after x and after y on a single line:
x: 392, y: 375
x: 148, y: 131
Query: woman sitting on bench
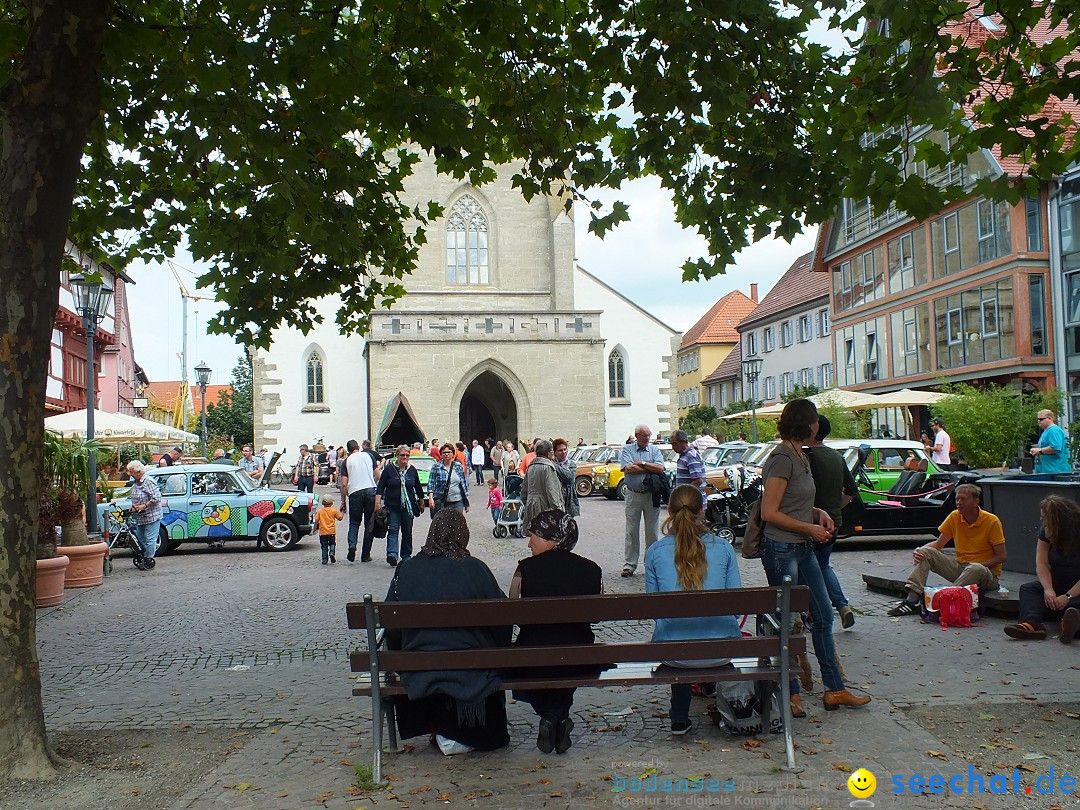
x: 689, y: 558
x: 554, y: 570
x: 462, y: 709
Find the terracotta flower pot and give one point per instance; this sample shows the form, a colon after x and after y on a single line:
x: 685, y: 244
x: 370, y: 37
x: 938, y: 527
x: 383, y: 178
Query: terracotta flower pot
x: 50, y: 581
x: 86, y: 567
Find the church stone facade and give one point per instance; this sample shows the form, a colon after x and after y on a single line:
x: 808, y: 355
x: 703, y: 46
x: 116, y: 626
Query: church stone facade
x: 500, y: 335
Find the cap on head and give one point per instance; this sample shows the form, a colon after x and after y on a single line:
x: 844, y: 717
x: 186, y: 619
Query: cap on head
x: 937, y: 420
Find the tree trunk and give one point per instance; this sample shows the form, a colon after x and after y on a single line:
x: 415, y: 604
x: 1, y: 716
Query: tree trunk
x: 45, y: 113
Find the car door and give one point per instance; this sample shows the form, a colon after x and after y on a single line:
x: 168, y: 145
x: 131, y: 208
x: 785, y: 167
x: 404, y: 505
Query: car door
x: 217, y: 505
x: 174, y: 490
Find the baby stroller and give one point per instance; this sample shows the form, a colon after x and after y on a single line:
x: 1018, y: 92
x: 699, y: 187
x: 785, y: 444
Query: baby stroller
x: 118, y: 534
x: 513, y: 507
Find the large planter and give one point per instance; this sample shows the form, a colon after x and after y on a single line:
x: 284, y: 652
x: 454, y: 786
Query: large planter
x: 87, y: 564
x: 50, y: 581
x: 1015, y: 500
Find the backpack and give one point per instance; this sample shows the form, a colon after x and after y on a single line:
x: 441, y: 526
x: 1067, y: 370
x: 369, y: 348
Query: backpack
x: 952, y: 606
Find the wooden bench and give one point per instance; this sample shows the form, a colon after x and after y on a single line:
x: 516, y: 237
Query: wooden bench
x: 763, y: 658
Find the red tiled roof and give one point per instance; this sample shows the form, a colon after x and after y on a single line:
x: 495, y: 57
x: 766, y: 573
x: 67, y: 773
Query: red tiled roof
x: 730, y: 369
x: 718, y: 324
x: 164, y: 393
x: 798, y: 285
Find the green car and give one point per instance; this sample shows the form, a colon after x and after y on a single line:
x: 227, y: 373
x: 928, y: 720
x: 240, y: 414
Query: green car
x: 422, y: 465
x: 885, y: 463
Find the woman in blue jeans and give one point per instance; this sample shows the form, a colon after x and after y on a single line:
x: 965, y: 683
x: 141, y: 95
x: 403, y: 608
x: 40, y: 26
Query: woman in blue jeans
x: 792, y: 526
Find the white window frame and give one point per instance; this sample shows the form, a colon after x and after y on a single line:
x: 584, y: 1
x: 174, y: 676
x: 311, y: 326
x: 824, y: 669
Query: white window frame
x: 826, y: 375
x: 466, y: 217
x: 751, y: 344
x: 768, y: 339
x: 824, y: 324
x: 954, y: 318
x: 787, y: 334
x: 806, y: 328
x: 617, y: 382
x: 993, y: 304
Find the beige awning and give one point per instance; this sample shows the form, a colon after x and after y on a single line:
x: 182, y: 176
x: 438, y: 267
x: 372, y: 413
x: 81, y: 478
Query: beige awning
x: 118, y: 428
x: 907, y: 397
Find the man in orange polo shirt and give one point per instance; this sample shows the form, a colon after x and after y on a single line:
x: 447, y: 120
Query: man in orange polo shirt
x: 980, y: 551
x: 528, y: 457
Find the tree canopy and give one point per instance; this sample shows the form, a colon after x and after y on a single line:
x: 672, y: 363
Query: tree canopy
x: 276, y: 137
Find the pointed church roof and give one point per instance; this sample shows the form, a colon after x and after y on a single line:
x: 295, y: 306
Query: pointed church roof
x: 718, y: 324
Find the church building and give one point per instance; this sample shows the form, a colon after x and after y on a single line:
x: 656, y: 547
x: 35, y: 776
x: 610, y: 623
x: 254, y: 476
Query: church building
x: 501, y: 335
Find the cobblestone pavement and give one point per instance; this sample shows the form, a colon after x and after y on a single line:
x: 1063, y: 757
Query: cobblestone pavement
x: 256, y: 642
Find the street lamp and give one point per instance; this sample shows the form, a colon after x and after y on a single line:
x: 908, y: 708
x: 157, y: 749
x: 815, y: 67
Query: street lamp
x: 202, y: 374
x: 751, y: 369
x: 92, y: 299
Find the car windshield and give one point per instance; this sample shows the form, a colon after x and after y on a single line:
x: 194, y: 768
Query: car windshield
x: 422, y: 463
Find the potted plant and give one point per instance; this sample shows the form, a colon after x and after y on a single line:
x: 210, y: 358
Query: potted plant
x: 51, y: 567
x: 67, y: 473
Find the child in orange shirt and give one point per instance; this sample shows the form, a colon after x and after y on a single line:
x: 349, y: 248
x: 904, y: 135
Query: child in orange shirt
x: 326, y: 517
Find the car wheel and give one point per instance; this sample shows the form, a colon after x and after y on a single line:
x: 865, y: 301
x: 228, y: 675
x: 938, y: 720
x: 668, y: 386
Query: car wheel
x: 583, y: 486
x: 279, y: 534
x: 166, y: 545
x: 622, y: 490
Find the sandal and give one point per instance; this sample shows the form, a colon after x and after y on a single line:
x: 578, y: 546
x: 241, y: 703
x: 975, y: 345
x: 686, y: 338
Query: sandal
x: 1025, y: 630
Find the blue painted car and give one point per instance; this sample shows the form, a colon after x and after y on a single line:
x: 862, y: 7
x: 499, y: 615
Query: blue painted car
x: 218, y: 503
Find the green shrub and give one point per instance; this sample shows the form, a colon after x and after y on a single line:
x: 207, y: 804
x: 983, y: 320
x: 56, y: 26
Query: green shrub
x: 989, y: 425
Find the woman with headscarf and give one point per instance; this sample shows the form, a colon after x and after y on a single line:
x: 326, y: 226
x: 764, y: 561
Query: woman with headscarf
x: 462, y: 708
x: 689, y: 558
x: 554, y: 570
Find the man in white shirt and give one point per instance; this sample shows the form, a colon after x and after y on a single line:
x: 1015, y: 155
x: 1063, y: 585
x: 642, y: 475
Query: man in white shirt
x: 358, y: 498
x: 477, y: 459
x: 940, y: 446
x: 704, y: 441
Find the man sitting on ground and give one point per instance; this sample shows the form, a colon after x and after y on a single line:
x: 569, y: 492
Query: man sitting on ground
x: 980, y: 551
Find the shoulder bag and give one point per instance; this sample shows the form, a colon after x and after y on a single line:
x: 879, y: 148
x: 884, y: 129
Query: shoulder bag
x: 755, y: 528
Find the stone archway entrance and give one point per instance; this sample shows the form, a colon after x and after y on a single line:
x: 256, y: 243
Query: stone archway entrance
x: 488, y: 410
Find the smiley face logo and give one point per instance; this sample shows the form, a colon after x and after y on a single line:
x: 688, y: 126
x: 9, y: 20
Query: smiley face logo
x: 215, y: 513
x: 862, y: 784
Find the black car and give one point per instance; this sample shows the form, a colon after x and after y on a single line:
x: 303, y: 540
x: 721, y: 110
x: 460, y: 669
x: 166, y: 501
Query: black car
x: 917, y: 504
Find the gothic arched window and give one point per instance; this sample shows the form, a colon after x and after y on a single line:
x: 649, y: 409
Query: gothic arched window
x: 616, y: 372
x: 314, y: 388
x: 466, y: 243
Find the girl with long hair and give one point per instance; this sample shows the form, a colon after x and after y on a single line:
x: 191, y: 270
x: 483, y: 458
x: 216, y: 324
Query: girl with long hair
x: 1056, y: 594
x: 793, y: 525
x: 689, y: 558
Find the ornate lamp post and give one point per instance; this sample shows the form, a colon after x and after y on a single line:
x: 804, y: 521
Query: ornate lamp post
x: 751, y: 369
x: 92, y: 299
x: 202, y: 374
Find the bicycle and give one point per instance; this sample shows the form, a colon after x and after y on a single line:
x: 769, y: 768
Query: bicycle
x: 280, y: 476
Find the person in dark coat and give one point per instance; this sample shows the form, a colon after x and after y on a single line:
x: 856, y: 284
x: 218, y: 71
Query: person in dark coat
x: 464, y: 709
x: 399, y: 490
x: 554, y: 570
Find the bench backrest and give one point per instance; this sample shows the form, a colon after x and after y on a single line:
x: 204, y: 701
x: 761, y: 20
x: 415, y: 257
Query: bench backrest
x: 559, y: 610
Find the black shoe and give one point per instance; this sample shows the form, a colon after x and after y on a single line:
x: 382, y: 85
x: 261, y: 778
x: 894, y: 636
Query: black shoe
x: 545, y: 738
x: 678, y: 729
x: 562, y: 736
x: 351, y: 556
x: 391, y: 560
x: 903, y: 608
x: 366, y: 559
x: 333, y: 560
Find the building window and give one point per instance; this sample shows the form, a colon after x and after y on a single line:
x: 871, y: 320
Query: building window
x: 770, y: 388
x: 768, y: 342
x: 849, y: 352
x: 1037, y: 301
x: 993, y: 230
x: 950, y: 242
x: 989, y: 318
x: 859, y: 281
x: 825, y: 375
x: 314, y: 379
x: 787, y: 383
x: 806, y: 328
x: 1033, y: 216
x: 616, y: 371
x: 907, y: 261
x: 751, y: 344
x: 823, y: 323
x: 911, y: 335
x: 785, y: 334
x: 871, y: 357
x: 954, y: 327
x: 1072, y: 295
x: 975, y: 326
x: 466, y: 243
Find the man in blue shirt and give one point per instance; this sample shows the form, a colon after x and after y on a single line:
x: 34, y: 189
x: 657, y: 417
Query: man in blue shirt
x: 690, y: 468
x: 1052, y: 452
x: 638, y: 459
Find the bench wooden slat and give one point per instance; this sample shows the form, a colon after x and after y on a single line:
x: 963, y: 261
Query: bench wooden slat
x: 632, y: 674
x: 559, y: 610
x: 578, y: 654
